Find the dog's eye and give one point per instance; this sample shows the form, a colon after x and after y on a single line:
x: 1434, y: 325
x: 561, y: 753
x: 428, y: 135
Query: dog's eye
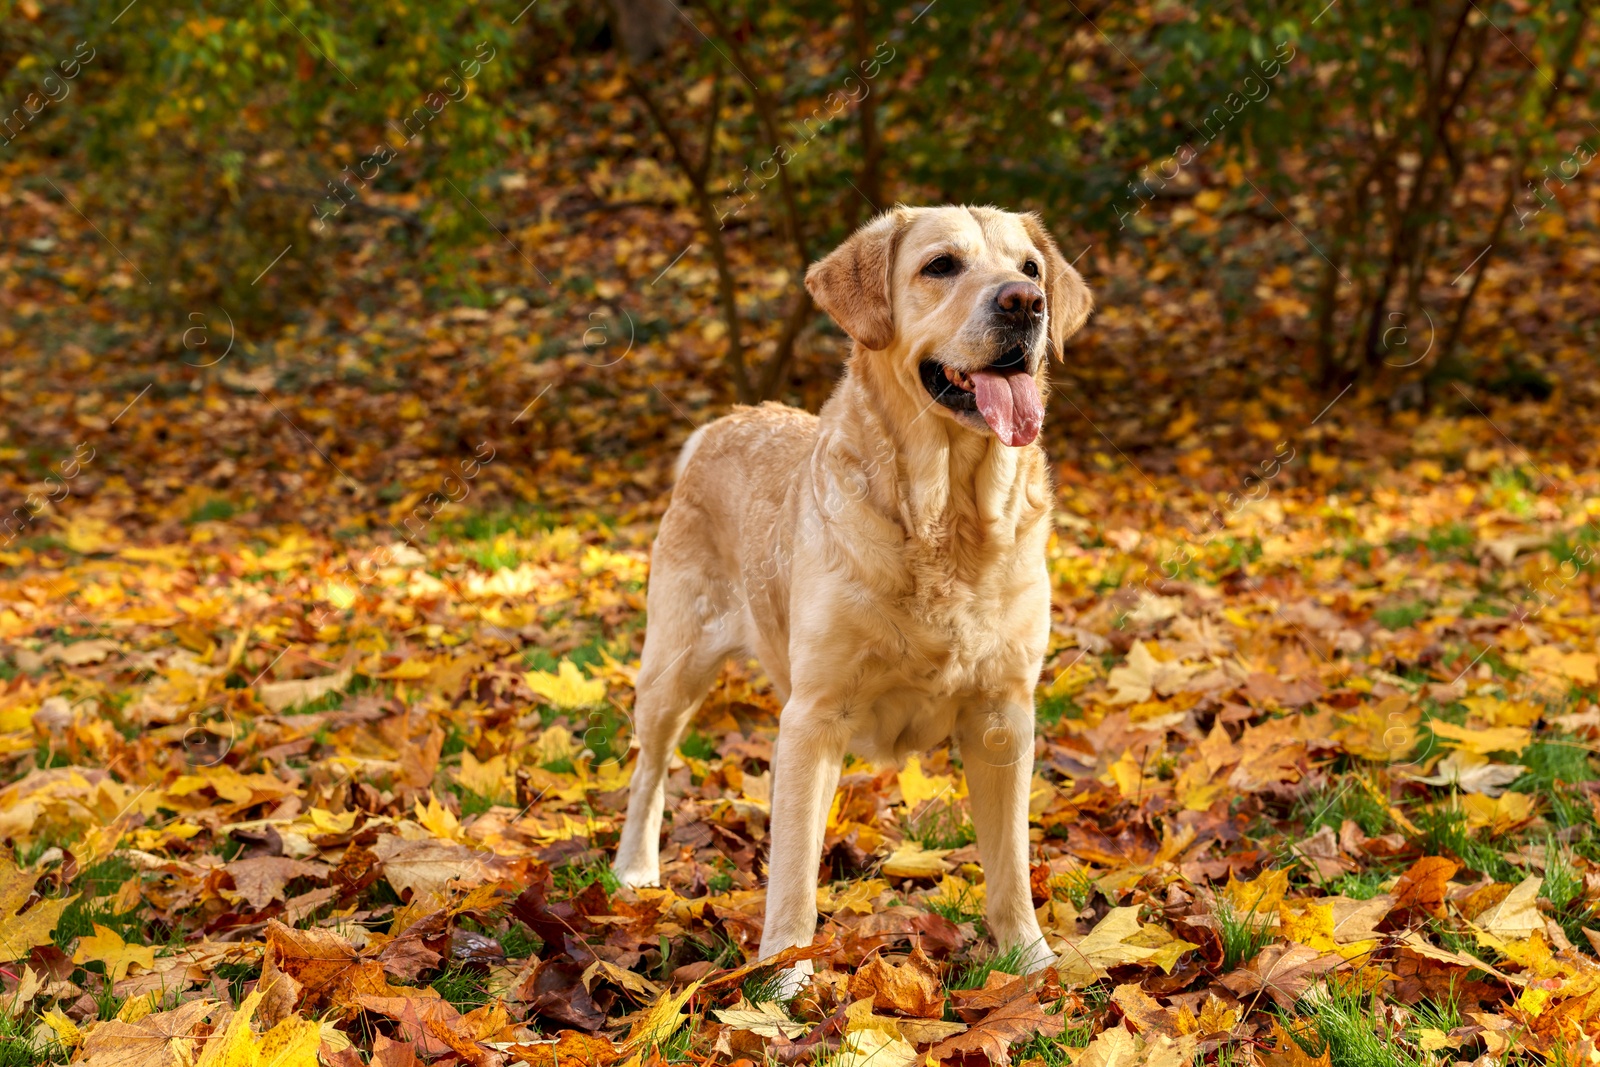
x: 942, y: 267
x: 1031, y: 269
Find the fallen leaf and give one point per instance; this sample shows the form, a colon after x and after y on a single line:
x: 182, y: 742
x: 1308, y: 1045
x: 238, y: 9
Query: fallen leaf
x: 1283, y: 972
x: 911, y: 988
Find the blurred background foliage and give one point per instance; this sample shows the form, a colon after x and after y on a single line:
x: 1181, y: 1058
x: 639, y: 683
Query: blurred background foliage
x: 1329, y: 175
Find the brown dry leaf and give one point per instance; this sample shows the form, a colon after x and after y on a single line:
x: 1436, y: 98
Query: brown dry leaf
x: 1142, y: 1010
x: 569, y: 1048
x: 993, y: 1036
x: 163, y: 1039
x: 1285, y: 1051
x: 322, y: 969
x: 426, y: 868
x: 1118, y: 939
x: 261, y: 880
x: 911, y: 988
x: 1517, y: 915
x: 1425, y: 884
x: 1283, y: 972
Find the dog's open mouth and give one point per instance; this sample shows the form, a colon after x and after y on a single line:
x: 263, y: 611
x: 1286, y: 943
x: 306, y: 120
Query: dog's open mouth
x: 1004, y: 393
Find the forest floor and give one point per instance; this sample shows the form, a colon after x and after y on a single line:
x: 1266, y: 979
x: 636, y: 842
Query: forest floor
x: 316, y: 664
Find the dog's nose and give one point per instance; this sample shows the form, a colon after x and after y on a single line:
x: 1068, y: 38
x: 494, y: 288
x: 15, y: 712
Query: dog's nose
x: 1019, y: 300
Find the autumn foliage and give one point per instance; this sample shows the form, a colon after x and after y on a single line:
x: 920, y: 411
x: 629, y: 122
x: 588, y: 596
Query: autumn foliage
x: 322, y: 577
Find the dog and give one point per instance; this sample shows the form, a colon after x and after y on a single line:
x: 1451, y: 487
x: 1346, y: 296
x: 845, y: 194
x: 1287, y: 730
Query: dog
x: 885, y: 561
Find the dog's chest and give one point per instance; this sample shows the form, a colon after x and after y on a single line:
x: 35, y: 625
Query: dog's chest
x: 972, y: 629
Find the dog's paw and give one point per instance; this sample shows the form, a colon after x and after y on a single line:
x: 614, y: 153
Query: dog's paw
x: 637, y: 878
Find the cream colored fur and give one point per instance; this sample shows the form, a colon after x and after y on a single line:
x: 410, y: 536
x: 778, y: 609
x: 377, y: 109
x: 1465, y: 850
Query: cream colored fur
x: 884, y: 561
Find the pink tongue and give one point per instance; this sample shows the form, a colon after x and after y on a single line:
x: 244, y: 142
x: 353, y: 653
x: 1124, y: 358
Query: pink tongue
x: 1010, y: 404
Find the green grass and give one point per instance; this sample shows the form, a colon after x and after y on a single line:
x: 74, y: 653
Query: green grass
x: 574, y: 878
x: 1055, y: 1051
x: 590, y: 653
x: 95, y: 888
x: 1080, y: 887
x: 236, y: 975
x: 1243, y: 936
x: 464, y: 988
x: 1348, y: 799
x: 942, y: 826
x: 1399, y: 616
x: 976, y: 971
x: 763, y: 986
x: 215, y: 510
x: 1554, y: 763
x: 962, y: 909
x: 698, y: 746
x: 494, y: 556
x: 1360, y: 885
x: 1563, y: 888
x: 335, y: 700
x: 1343, y: 1025
x: 18, y: 1047
x: 1051, y: 710
x: 1445, y: 833
x: 1456, y: 539
x: 517, y: 941
x: 472, y: 803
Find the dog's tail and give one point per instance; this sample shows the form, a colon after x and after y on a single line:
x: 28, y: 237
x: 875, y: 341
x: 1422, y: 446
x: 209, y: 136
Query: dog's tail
x: 689, y: 448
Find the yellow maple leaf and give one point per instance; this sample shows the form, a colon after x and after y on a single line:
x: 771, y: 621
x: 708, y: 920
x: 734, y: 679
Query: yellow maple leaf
x: 1580, y: 667
x: 917, y: 786
x: 1116, y: 940
x: 21, y: 934
x: 1258, y: 899
x: 661, y: 1020
x: 491, y: 778
x: 1313, y: 927
x: 855, y: 897
x: 1383, y: 731
x: 567, y: 687
x: 438, y: 819
x: 66, y: 1030
x: 955, y: 892
x: 911, y: 860
x: 107, y: 947
x: 410, y: 669
x: 292, y: 1043
x: 1484, y: 741
x: 1500, y: 814
x: 1499, y: 712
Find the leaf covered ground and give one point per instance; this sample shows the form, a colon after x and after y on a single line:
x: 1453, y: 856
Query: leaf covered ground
x: 1320, y: 778
x: 317, y: 664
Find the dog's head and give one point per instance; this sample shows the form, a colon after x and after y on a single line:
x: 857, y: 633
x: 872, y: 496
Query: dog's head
x: 960, y: 305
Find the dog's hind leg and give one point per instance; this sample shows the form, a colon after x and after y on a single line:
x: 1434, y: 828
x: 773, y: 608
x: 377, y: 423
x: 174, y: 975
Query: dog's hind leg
x: 685, y: 646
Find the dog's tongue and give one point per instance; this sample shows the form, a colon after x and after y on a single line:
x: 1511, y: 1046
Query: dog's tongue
x: 1010, y: 404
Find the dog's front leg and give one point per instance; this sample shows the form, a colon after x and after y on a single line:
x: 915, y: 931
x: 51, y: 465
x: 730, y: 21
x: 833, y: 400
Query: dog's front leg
x: 997, y: 755
x: 810, y: 751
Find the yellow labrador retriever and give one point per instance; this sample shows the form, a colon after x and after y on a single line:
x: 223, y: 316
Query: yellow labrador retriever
x: 885, y: 561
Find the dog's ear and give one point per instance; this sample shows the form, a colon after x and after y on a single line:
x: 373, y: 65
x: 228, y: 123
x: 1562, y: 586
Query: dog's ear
x: 851, y: 283
x: 1068, y: 300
